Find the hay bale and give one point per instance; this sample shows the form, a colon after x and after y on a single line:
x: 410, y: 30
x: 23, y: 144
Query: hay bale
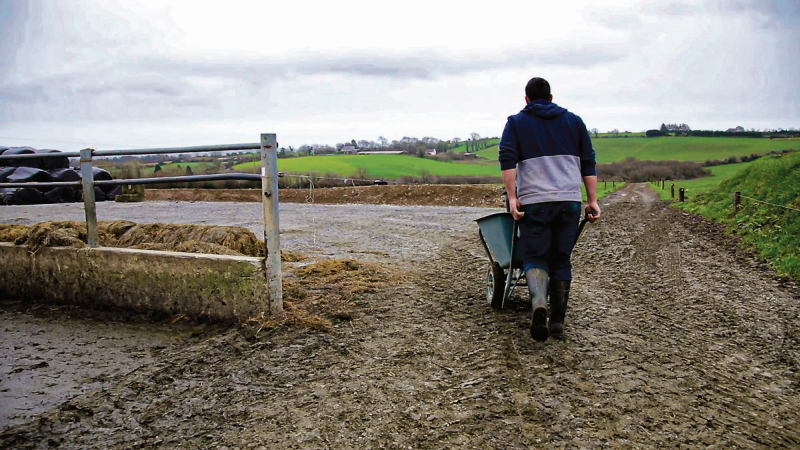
x: 111, y: 191
x: 21, y: 196
x: 30, y: 175
x: 127, y: 198
x: 101, y: 174
x: 35, y: 163
x: 99, y: 195
x: 5, y: 172
x: 57, y: 162
x: 238, y: 239
x: 62, y: 195
x: 10, y: 233
x: 131, y: 193
x: 65, y: 174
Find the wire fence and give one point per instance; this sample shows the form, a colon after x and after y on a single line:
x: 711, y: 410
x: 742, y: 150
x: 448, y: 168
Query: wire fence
x: 737, y: 197
x: 764, y: 202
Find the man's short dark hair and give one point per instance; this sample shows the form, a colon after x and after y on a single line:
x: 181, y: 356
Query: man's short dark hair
x: 537, y: 89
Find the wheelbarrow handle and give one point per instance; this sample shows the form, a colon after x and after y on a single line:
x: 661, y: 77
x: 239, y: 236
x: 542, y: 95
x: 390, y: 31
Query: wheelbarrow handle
x: 580, y: 227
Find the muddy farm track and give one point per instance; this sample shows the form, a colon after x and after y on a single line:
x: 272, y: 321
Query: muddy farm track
x: 674, y: 339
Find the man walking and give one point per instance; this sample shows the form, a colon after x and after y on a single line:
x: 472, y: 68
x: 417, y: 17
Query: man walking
x: 545, y: 152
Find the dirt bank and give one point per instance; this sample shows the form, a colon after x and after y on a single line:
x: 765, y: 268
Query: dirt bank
x: 419, y: 194
x: 672, y: 340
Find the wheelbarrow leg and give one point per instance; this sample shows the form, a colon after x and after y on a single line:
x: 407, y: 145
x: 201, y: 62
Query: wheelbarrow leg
x: 509, y: 281
x: 510, y: 275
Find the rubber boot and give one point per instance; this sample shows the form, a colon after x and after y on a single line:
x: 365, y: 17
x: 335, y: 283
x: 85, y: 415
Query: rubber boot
x: 559, y: 296
x: 537, y: 288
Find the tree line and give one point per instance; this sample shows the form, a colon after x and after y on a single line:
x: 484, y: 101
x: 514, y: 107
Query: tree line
x: 683, y: 129
x: 408, y: 144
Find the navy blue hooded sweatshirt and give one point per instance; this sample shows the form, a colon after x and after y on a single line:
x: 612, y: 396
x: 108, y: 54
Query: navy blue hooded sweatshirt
x: 551, y: 150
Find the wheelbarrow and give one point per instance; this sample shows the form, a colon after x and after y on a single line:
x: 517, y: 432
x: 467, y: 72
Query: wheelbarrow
x: 499, y: 234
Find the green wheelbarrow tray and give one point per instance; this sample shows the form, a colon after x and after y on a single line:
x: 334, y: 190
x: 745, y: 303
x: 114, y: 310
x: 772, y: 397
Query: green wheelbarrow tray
x: 499, y: 234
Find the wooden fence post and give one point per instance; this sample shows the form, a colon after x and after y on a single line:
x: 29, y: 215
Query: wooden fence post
x: 737, y: 200
x: 672, y: 191
x: 681, y: 194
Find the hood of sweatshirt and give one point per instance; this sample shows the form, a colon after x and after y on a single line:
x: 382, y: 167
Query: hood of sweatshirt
x: 544, y: 109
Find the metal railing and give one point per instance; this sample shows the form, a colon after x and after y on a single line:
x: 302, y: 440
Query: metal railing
x: 269, y: 187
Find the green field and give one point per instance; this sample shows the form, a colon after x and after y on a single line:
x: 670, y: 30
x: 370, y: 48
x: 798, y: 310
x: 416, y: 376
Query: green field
x: 700, y: 185
x: 686, y: 148
x: 178, y: 168
x: 393, y: 167
x: 387, y: 167
x: 463, y: 147
x: 676, y: 148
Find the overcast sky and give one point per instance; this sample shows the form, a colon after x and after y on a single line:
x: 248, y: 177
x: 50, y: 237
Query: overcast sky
x: 131, y: 74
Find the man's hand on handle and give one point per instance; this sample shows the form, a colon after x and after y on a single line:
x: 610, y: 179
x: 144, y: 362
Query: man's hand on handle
x: 510, y: 183
x: 514, y: 206
x: 593, y: 212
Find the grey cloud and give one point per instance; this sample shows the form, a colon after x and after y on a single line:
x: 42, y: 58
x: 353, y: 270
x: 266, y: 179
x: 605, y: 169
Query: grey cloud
x: 425, y: 65
x: 99, y: 96
x: 157, y: 86
x: 135, y: 88
x: 430, y: 65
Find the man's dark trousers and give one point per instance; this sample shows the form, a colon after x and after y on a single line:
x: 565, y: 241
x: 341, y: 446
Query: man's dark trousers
x: 547, y: 232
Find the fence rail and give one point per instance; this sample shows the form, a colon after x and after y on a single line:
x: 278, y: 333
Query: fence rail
x: 133, y: 181
x: 269, y: 185
x: 140, y: 151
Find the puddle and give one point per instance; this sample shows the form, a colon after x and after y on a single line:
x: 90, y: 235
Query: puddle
x: 47, y: 358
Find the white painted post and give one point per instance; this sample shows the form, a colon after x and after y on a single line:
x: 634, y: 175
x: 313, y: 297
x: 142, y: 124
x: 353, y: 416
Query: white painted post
x: 89, y: 205
x: 272, y: 241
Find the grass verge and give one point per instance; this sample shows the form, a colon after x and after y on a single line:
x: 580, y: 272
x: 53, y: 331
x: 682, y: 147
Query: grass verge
x: 768, y: 220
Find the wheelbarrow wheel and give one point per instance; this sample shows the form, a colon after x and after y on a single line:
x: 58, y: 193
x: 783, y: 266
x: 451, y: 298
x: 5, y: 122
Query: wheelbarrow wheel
x: 496, y: 286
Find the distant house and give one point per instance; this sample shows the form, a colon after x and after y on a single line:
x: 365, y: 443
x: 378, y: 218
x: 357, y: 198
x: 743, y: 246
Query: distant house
x: 349, y: 149
x: 379, y: 152
x: 738, y: 129
x: 430, y: 152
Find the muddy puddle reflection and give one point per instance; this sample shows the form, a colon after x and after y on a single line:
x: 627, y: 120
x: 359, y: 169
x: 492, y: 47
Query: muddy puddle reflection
x: 48, y: 355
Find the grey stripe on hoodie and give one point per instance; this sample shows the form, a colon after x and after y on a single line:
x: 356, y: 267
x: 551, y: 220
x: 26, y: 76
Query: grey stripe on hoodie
x: 549, y: 179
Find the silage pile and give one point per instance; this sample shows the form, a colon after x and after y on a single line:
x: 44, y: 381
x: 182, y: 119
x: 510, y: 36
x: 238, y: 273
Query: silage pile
x: 316, y: 294
x: 218, y: 240
x: 320, y: 294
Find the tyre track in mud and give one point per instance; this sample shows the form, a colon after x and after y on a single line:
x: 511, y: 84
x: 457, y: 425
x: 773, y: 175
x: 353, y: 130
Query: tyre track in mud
x: 672, y: 340
x: 421, y: 365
